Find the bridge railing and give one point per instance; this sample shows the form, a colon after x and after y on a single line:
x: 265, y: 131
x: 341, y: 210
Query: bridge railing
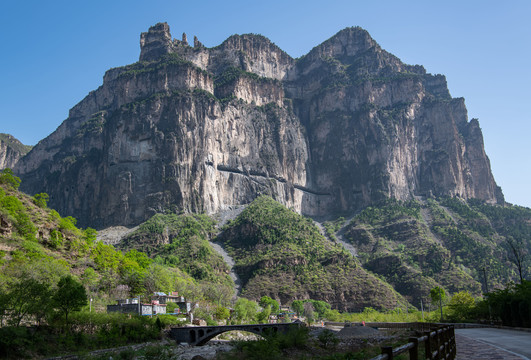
x: 438, y: 344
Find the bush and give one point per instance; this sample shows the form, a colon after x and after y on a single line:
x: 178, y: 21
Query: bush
x: 14, y: 342
x: 17, y: 210
x: 461, y: 306
x: 8, y: 178
x: 41, y: 200
x: 328, y: 339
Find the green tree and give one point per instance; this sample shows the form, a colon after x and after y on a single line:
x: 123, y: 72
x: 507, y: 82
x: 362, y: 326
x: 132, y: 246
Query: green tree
x: 245, y: 309
x: 263, y: 316
x: 4, y: 306
x: 328, y: 339
x: 222, y: 313
x: 438, y: 296
x: 266, y: 301
x: 461, y: 306
x: 90, y: 235
x: 320, y: 307
x: 298, y: 307
x: 70, y: 296
x: 26, y: 298
x: 170, y: 307
x: 517, y: 254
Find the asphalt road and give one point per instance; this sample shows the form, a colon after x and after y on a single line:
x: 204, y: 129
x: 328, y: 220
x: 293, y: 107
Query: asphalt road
x: 515, y: 342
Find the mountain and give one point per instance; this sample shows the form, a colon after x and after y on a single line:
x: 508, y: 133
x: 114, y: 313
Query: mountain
x: 199, y: 129
x: 11, y: 150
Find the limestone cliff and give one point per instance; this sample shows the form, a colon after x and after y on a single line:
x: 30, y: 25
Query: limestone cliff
x: 378, y: 128
x: 200, y: 129
x: 11, y: 150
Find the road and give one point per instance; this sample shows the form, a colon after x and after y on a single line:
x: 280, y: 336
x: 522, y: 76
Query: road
x: 487, y: 343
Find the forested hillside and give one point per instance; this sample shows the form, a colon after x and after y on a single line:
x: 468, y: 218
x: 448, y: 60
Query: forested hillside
x: 403, y: 250
x: 416, y: 245
x: 282, y: 254
x: 37, y: 243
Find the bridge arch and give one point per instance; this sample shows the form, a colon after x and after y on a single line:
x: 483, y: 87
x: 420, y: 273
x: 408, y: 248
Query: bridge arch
x: 200, y: 335
x: 213, y: 334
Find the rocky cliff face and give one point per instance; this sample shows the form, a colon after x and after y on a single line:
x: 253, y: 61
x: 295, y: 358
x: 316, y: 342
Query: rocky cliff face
x: 11, y: 150
x: 201, y: 129
x: 378, y: 128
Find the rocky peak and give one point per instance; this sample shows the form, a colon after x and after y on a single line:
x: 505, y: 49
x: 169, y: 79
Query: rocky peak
x: 253, y: 53
x: 155, y: 42
x: 197, y: 43
x: 347, y: 42
x: 11, y: 150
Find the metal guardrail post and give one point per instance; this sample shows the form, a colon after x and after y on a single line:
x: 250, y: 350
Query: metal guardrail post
x: 446, y: 342
x: 438, y: 344
x: 414, y: 351
x: 427, y: 346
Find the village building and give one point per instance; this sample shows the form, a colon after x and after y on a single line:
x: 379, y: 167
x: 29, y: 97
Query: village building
x: 158, y: 305
x: 133, y: 306
x: 184, y: 306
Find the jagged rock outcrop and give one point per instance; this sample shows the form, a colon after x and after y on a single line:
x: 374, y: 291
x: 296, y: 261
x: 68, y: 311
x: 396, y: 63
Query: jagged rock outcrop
x: 200, y: 129
x: 11, y: 150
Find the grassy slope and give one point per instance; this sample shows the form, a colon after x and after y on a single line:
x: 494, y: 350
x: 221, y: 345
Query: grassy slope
x: 282, y: 254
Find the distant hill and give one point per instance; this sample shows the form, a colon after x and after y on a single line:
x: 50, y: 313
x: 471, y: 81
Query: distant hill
x: 416, y: 245
x: 11, y: 150
x: 401, y: 250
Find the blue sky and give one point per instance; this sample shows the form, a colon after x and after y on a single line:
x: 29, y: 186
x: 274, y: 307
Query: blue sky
x: 55, y: 52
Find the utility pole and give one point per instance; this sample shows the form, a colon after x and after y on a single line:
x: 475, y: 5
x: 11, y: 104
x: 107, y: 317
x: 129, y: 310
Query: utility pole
x: 422, y: 309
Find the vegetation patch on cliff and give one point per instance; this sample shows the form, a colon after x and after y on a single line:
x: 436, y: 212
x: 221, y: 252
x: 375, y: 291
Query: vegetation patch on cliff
x: 281, y: 254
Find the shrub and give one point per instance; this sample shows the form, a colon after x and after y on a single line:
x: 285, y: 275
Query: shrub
x: 328, y: 339
x: 41, y: 200
x: 8, y: 178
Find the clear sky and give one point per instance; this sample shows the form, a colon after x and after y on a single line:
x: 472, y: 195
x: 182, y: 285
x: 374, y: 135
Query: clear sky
x: 55, y: 52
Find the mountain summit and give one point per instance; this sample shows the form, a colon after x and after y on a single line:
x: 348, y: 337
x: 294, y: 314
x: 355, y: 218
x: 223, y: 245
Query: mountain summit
x: 201, y: 129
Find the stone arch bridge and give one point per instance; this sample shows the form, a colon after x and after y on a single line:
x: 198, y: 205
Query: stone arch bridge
x: 200, y: 335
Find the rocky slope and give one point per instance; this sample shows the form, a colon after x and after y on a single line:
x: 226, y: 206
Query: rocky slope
x: 202, y: 129
x: 11, y: 150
